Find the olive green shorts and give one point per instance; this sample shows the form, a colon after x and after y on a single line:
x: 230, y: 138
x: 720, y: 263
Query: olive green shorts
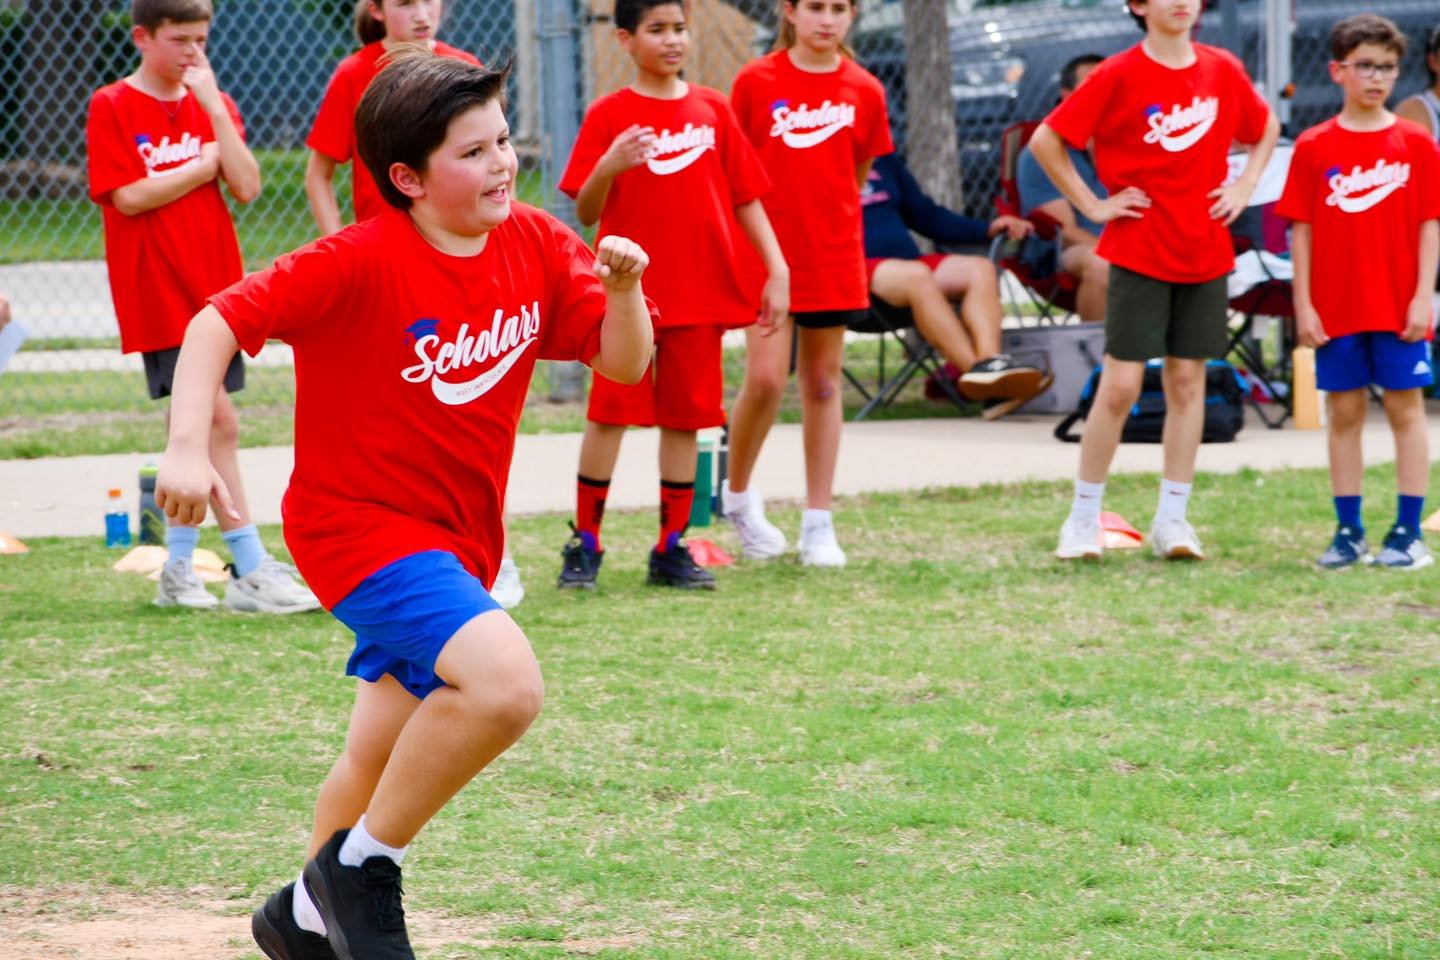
x: 1147, y: 318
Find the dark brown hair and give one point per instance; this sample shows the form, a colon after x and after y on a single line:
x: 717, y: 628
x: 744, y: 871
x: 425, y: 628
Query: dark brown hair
x: 152, y: 14
x: 785, y: 30
x: 1365, y: 28
x: 406, y: 112
x: 367, y: 29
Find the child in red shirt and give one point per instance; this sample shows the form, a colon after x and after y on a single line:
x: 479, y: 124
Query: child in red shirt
x: 1162, y: 116
x: 817, y: 119
x: 1363, y: 193
x: 665, y: 163
x: 379, y: 26
x: 415, y: 334
x: 158, y: 143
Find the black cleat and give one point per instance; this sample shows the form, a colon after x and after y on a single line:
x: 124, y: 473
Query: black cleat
x: 676, y: 568
x: 360, y: 905
x: 581, y: 564
x: 280, y: 938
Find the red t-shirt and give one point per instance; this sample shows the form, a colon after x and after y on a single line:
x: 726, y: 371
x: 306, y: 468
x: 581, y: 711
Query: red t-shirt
x: 680, y: 204
x: 164, y: 262
x: 334, y: 131
x: 812, y: 130
x: 411, y: 370
x: 1167, y: 132
x: 1365, y: 196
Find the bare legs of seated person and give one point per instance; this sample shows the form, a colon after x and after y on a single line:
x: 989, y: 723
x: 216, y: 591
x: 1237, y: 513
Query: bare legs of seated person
x: 969, y: 340
x: 1093, y: 273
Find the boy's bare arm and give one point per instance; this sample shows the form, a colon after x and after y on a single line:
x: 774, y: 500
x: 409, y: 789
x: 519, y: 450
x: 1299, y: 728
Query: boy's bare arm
x: 1417, y: 318
x: 186, y: 477
x: 1231, y: 200
x: 1054, y: 159
x: 1308, y: 328
x: 149, y: 193
x: 775, y: 299
x: 320, y: 190
x: 628, y: 150
x: 627, y: 339
x: 1071, y: 232
x: 238, y: 167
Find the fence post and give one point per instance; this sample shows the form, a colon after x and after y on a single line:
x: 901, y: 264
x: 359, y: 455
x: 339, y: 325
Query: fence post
x: 559, y: 96
x: 1279, y: 29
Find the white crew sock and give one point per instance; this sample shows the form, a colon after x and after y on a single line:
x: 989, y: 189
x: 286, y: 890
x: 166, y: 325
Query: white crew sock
x: 1086, y: 505
x: 359, y: 846
x: 732, y: 501
x: 815, y: 520
x: 307, y: 915
x: 1174, y: 498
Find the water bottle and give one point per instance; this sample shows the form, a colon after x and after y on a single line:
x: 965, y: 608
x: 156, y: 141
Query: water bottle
x: 700, y: 506
x: 117, y: 520
x: 152, y: 518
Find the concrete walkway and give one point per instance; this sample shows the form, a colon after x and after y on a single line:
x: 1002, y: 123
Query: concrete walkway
x: 65, y: 497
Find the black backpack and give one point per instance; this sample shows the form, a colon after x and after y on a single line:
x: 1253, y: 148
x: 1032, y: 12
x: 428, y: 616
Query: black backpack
x: 1224, y: 406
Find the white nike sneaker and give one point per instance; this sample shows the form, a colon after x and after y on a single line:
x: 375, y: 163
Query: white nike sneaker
x: 508, y: 591
x: 759, y: 538
x: 818, y: 547
x: 180, y: 586
x: 1172, y: 538
x: 1080, y: 539
x: 272, y: 587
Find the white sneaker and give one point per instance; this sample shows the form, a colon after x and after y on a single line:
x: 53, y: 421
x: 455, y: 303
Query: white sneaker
x: 1080, y: 539
x: 508, y: 591
x: 1172, y: 538
x: 818, y: 547
x: 272, y: 587
x: 759, y: 538
x: 180, y: 586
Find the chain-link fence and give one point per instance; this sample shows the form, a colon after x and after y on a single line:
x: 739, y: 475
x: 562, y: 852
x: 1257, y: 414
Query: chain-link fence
x: 275, y: 57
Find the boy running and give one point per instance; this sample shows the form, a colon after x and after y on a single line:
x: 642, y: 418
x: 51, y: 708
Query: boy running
x: 1162, y: 116
x: 415, y: 335
x: 159, y: 141
x: 665, y: 162
x: 1364, y: 195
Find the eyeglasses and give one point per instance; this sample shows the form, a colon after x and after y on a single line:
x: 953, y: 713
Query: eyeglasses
x: 1369, y: 71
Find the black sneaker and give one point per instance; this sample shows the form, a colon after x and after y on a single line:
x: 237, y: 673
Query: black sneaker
x: 581, y: 564
x: 676, y: 568
x: 360, y: 905
x: 999, y: 377
x: 274, y: 928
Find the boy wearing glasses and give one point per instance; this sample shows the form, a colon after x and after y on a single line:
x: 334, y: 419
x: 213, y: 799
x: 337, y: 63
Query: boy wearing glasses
x: 1363, y: 194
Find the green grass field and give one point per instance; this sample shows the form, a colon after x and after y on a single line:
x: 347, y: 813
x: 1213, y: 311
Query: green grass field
x: 956, y: 747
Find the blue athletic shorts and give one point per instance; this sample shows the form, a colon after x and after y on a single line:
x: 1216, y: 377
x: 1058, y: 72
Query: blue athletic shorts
x: 403, y: 615
x: 1381, y: 358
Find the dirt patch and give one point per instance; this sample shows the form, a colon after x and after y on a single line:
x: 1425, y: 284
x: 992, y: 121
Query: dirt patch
x: 61, y: 926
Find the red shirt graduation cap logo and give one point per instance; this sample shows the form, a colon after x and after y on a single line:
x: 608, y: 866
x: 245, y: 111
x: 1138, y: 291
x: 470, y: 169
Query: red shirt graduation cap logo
x: 164, y: 158
x: 805, y: 126
x: 673, y: 152
x: 1359, y: 190
x: 450, y: 363
x: 1182, y: 127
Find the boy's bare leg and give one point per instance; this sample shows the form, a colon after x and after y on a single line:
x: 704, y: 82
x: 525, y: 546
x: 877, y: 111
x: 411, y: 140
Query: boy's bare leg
x: 821, y: 353
x: 1345, y: 418
x: 1184, y: 381
x: 1405, y: 409
x: 974, y: 279
x: 1119, y: 388
x: 494, y: 693
x: 225, y: 455
x: 381, y: 711
x: 767, y: 370
x: 600, y: 450
x: 913, y: 285
x: 677, y: 455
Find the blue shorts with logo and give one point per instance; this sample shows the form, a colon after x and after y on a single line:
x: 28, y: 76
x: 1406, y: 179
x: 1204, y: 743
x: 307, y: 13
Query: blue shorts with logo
x: 403, y: 615
x: 1382, y: 358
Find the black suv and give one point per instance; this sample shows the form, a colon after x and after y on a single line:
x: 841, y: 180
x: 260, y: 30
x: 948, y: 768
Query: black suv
x: 1006, y: 59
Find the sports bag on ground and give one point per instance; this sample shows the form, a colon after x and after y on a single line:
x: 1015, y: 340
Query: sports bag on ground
x: 1224, y: 406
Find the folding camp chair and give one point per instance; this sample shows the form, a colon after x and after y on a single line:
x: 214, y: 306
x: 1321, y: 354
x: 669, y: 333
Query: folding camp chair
x: 1271, y: 297
x: 897, y: 324
x: 1051, y: 297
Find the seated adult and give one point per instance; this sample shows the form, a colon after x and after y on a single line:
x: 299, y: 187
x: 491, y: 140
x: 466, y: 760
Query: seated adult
x: 1424, y: 107
x: 894, y: 204
x: 1078, y: 234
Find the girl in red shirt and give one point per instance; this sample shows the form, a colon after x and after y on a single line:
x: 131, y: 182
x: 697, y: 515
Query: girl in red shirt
x: 817, y: 120
x: 379, y: 26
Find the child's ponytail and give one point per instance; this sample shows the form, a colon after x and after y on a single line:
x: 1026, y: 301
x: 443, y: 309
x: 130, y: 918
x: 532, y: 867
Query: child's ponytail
x: 368, y: 30
x: 785, y: 30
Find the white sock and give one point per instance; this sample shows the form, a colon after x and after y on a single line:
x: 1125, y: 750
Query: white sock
x: 1086, y: 505
x: 307, y: 915
x: 815, y: 519
x: 1174, y: 498
x: 359, y: 846
x: 732, y: 501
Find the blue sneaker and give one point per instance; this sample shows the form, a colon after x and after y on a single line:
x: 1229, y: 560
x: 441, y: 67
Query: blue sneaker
x: 1347, y: 549
x: 1404, y: 550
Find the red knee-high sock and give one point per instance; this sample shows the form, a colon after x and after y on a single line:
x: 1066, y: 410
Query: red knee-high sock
x: 590, y: 508
x: 675, y: 501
